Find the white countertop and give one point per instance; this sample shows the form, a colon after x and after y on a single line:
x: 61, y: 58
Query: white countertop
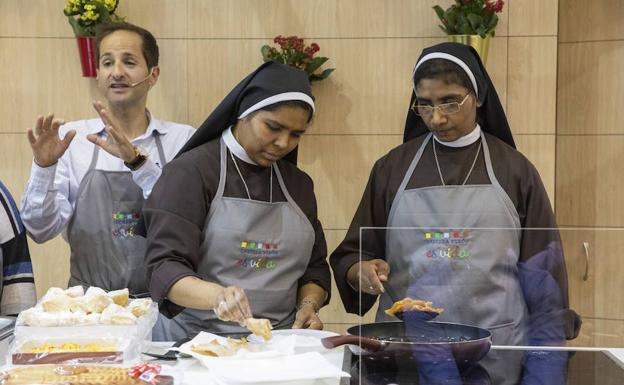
x: 195, y: 374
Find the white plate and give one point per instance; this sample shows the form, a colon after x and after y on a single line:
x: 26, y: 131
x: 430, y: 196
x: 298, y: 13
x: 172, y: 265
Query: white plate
x: 307, y: 340
x: 304, y: 332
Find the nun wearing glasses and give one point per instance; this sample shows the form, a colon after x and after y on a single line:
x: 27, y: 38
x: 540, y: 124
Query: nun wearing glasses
x: 232, y: 224
x: 458, y: 196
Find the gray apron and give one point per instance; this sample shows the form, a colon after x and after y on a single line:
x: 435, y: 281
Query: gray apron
x: 105, y: 249
x: 461, y: 252
x: 262, y: 247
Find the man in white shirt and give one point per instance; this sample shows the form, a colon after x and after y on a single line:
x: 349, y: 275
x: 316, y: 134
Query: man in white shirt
x: 95, y: 197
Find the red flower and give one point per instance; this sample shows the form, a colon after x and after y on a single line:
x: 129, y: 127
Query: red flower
x: 494, y: 7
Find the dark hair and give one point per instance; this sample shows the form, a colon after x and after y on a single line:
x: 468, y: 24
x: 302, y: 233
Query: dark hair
x: 149, y: 46
x: 287, y: 103
x: 444, y: 70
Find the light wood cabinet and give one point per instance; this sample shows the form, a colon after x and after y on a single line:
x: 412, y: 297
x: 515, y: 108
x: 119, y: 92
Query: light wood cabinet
x: 588, y: 196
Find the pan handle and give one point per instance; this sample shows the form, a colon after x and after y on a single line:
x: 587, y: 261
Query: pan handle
x: 367, y: 344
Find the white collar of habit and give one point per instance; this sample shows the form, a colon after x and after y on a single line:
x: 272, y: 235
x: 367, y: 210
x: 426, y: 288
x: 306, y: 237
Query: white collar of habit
x: 464, y: 141
x: 235, y: 147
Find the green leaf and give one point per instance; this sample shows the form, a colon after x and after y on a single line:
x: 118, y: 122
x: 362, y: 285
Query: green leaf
x: 466, y: 29
x: 265, y: 52
x: 439, y: 11
x: 475, y: 21
x: 321, y: 76
x: 316, y: 63
x: 493, y: 22
x: 75, y: 26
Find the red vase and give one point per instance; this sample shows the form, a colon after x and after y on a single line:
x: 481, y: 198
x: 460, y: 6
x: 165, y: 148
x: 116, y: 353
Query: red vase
x: 86, y: 47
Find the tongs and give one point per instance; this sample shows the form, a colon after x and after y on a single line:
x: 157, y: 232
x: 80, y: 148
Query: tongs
x: 170, y: 355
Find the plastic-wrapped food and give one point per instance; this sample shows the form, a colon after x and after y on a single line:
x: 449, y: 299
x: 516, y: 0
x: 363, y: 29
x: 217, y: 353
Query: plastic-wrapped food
x: 140, y: 374
x: 73, y: 351
x: 97, y: 317
x: 140, y: 306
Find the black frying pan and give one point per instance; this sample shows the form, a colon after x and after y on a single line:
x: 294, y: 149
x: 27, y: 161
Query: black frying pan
x: 424, y: 342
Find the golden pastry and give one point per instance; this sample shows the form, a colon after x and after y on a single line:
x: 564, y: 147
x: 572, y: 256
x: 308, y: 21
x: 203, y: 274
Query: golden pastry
x: 409, y: 304
x: 260, y: 327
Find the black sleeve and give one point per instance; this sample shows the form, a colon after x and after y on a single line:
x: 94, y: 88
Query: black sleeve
x: 318, y: 269
x: 372, y: 212
x: 174, y: 216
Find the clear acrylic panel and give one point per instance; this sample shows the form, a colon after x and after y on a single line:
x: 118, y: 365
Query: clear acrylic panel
x: 515, y: 305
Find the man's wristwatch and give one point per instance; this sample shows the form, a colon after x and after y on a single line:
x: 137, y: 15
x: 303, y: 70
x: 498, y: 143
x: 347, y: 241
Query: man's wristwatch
x: 139, y: 158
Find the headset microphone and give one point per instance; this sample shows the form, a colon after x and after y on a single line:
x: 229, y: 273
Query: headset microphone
x: 141, y: 81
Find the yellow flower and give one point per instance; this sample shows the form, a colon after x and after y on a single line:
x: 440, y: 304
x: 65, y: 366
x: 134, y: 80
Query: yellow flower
x: 110, y: 4
x: 90, y: 15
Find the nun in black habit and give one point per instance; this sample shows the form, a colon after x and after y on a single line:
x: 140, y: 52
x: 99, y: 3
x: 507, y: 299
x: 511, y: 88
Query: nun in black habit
x: 456, y: 174
x: 232, y: 223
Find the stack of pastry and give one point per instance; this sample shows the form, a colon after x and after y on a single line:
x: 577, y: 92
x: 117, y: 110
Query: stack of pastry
x: 74, y: 306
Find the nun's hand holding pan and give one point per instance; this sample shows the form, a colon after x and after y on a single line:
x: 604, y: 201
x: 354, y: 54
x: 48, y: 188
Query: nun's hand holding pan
x: 369, y: 276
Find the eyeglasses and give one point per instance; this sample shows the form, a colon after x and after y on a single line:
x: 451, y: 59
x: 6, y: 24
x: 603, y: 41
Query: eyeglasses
x: 444, y: 108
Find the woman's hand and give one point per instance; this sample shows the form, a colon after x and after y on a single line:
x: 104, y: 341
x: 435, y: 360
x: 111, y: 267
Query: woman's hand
x: 116, y: 142
x: 47, y: 146
x: 369, y: 276
x: 231, y: 304
x: 307, y: 318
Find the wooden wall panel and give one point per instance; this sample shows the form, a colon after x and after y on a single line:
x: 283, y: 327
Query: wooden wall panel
x: 48, y: 73
x: 340, y: 175
x: 580, y: 20
x: 173, y: 80
x: 496, y: 67
x: 532, y: 77
x: 50, y: 264
x: 210, y: 84
x: 335, y: 312
x: 532, y: 17
x: 589, y: 151
x: 34, y: 18
x: 50, y: 260
x: 251, y: 19
x: 163, y: 18
x: 590, y: 92
x: 45, y: 18
x: 539, y: 149
x: 589, y: 183
x: 15, y: 163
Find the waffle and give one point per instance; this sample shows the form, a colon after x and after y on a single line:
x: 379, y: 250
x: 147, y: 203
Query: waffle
x: 72, y: 375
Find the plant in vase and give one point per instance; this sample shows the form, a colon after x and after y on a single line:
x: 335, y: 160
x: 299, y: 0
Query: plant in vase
x: 292, y: 50
x: 84, y: 16
x: 471, y: 22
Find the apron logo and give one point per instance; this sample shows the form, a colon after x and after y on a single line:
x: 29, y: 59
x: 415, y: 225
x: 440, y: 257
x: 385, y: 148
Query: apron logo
x: 124, y: 224
x: 447, y: 244
x: 257, y: 255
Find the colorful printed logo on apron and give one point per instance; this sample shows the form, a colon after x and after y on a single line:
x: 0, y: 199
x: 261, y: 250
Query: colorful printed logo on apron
x: 447, y: 244
x: 124, y: 224
x: 258, y: 255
